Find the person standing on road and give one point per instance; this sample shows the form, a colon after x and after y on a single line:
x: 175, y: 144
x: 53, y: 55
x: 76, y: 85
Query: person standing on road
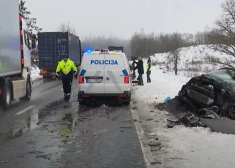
x: 140, y: 67
x: 67, y: 68
x: 148, y: 70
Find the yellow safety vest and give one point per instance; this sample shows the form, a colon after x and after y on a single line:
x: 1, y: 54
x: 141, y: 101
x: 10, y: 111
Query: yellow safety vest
x: 148, y: 66
x: 66, y: 67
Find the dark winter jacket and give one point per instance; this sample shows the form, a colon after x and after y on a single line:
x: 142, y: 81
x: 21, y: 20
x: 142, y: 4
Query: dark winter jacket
x: 140, y: 67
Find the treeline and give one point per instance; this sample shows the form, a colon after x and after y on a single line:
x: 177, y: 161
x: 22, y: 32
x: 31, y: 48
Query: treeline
x: 144, y: 44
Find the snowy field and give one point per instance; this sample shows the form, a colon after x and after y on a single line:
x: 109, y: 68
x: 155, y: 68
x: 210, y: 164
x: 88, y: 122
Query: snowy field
x: 177, y: 147
x: 193, y: 60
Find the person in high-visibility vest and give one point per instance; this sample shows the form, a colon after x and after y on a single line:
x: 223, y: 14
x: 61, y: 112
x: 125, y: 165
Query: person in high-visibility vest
x: 67, y: 68
x: 148, y: 70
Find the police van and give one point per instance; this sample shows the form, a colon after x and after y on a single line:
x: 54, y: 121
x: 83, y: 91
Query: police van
x: 104, y: 75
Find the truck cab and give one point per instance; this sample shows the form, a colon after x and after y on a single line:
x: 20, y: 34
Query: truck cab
x: 15, y: 55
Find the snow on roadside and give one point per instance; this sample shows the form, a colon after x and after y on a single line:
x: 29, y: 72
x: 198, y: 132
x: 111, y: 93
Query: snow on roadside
x: 181, y: 147
x: 35, y: 73
x: 197, y: 147
x: 162, y: 86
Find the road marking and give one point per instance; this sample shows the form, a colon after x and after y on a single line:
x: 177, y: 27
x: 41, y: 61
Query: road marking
x: 24, y: 110
x: 140, y: 132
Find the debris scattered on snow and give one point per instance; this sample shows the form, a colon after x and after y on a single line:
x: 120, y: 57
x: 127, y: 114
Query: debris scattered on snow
x: 154, y: 143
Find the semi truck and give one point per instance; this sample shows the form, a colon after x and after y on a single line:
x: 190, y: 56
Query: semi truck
x: 116, y: 48
x: 53, y: 47
x: 15, y: 55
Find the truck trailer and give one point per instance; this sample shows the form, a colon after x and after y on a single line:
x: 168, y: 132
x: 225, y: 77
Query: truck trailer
x: 53, y: 47
x: 116, y: 48
x: 15, y: 55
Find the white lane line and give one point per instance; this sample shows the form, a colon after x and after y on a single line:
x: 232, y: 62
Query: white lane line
x: 140, y: 132
x: 24, y: 110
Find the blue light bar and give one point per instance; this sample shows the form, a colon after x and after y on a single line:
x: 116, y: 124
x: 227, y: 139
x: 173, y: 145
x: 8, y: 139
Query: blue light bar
x: 88, y: 51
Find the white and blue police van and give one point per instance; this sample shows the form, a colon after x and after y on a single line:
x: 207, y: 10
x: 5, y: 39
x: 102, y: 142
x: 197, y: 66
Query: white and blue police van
x: 104, y: 75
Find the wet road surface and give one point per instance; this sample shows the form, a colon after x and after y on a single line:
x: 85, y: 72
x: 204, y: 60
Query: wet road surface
x: 47, y: 133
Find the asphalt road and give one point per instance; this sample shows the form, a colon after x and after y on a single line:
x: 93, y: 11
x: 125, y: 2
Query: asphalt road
x: 46, y: 132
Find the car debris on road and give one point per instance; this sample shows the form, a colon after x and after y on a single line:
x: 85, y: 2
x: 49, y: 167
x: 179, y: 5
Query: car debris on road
x: 211, y: 95
x: 208, y: 96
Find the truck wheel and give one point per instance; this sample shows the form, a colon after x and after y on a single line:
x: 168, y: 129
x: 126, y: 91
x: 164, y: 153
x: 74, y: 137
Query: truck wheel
x: 28, y: 91
x: 7, y: 94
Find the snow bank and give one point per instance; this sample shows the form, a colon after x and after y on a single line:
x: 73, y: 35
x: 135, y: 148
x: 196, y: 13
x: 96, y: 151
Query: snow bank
x: 192, y: 59
x: 181, y: 147
x: 197, y: 147
x: 35, y: 73
x: 162, y: 86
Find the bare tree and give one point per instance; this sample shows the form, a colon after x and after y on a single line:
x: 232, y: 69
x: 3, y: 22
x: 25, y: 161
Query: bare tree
x: 67, y: 28
x: 30, y: 22
x: 175, y: 45
x: 223, y: 35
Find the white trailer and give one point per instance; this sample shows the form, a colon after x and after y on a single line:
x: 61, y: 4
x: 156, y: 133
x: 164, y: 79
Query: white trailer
x: 15, y: 55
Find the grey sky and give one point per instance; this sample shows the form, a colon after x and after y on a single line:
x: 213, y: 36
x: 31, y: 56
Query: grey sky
x: 123, y: 17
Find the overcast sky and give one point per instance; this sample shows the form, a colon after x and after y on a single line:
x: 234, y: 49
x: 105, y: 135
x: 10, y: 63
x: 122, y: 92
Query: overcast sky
x: 123, y: 17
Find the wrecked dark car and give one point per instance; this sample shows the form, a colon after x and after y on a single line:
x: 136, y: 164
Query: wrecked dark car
x: 211, y: 95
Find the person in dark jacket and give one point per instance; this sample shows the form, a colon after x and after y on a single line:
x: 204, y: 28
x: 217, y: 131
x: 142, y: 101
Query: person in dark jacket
x: 140, y: 67
x: 148, y: 70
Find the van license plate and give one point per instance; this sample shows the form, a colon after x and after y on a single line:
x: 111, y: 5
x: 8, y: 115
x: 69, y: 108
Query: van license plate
x: 94, y: 80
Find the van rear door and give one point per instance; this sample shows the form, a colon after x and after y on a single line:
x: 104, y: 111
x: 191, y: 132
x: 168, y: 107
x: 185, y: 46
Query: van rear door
x: 93, y: 74
x: 116, y: 74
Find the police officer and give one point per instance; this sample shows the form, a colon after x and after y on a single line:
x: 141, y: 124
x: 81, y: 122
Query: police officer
x: 148, y: 70
x: 140, y: 67
x: 68, y: 70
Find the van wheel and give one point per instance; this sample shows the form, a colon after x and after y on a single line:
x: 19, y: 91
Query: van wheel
x: 128, y: 100
x: 27, y: 97
x: 82, y: 103
x: 7, y: 92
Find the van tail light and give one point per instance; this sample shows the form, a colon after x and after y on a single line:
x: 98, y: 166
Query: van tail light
x: 126, y: 79
x: 122, y: 96
x: 80, y: 79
